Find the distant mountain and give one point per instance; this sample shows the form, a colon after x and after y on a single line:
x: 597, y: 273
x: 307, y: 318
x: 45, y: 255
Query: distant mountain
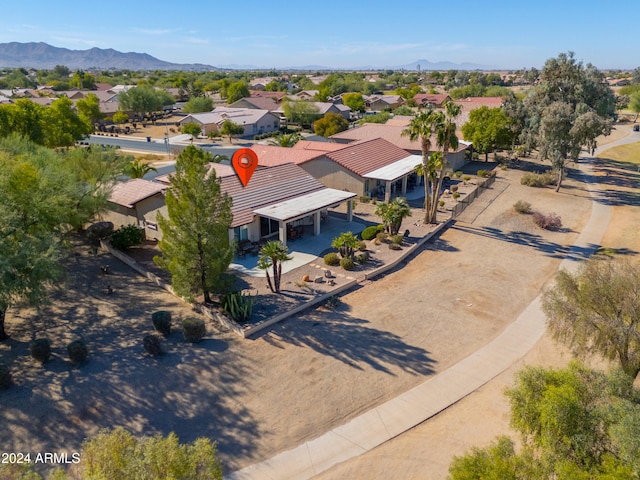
x: 42, y: 55
x: 427, y: 65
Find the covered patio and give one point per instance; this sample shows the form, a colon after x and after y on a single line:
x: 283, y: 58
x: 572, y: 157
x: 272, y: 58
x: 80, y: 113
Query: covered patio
x: 397, y: 171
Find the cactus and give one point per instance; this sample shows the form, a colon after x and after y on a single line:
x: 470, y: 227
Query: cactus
x: 40, y: 349
x: 193, y: 329
x: 77, y: 352
x: 238, y: 306
x: 162, y: 322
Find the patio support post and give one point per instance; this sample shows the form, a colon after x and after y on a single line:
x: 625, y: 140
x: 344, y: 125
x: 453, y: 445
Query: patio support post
x: 404, y: 184
x: 349, y: 211
x: 316, y: 223
x: 387, y: 191
x: 282, y: 232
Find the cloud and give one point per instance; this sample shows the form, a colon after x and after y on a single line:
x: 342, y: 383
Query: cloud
x: 156, y: 31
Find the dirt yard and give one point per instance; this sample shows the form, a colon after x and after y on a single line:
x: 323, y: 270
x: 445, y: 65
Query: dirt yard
x: 303, y: 376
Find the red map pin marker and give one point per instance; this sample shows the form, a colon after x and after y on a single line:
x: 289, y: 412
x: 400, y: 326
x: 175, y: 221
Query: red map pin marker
x: 244, y: 162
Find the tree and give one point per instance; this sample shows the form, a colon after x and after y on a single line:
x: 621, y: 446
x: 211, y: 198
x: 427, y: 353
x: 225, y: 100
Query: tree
x: 346, y: 243
x: 144, y: 100
x: 421, y: 128
x: 23, y: 118
x: 300, y: 112
x: 45, y: 196
x: 285, y: 140
x: 89, y: 109
x: 634, y: 104
x: 192, y: 128
x: 575, y: 423
x: 198, y: 104
x: 120, y: 117
x: 118, y: 454
x: 393, y: 213
x: 195, y: 242
x: 330, y: 124
x: 488, y: 129
x: 138, y: 169
x: 62, y: 126
x: 236, y: 91
x: 566, y: 91
x: 272, y: 254
x: 597, y: 311
x: 231, y: 129
x: 354, y: 101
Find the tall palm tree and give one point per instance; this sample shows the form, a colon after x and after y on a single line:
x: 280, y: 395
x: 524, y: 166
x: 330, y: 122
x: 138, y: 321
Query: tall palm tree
x: 422, y: 128
x: 137, y: 169
x: 272, y: 254
x: 285, y: 140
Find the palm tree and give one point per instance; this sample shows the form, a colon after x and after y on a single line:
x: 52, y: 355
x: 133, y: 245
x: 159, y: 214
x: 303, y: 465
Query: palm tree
x: 393, y: 213
x: 137, y: 169
x: 422, y: 128
x: 272, y: 254
x: 345, y: 243
x: 285, y: 140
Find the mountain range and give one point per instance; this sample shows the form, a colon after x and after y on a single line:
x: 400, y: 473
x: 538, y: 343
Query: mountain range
x: 41, y: 55
x: 44, y: 56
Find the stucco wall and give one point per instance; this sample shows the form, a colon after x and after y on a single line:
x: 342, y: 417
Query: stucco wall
x: 334, y: 175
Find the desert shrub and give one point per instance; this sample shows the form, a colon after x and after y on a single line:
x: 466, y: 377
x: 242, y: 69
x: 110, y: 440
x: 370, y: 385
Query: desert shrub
x: 455, y: 195
x: 162, y: 321
x: 370, y: 233
x: 531, y: 179
x: 548, y: 222
x: 5, y: 376
x: 466, y: 178
x: 381, y: 237
x: 127, y: 236
x: 332, y: 259
x: 522, y: 207
x: 347, y: 263
x: 394, y: 246
x: 152, y: 345
x: 457, y: 173
x: 40, y: 349
x: 397, y: 239
x: 99, y: 231
x: 365, y: 199
x: 78, y: 352
x: 441, y: 203
x: 453, y: 188
x: 362, y: 258
x: 362, y: 246
x: 193, y: 329
x: 482, y: 173
x: 238, y: 306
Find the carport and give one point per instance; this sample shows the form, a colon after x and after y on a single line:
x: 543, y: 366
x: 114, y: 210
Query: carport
x: 394, y: 172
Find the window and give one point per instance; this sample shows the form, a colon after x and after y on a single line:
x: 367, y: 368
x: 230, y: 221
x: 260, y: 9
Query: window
x: 255, y: 128
x: 241, y: 233
x: 268, y: 227
x: 152, y: 226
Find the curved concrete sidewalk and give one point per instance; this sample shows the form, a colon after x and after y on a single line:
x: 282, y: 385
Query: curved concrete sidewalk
x: 409, y: 409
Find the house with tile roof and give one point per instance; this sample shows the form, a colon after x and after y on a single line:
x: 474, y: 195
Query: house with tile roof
x: 436, y: 100
x: 393, y: 134
x: 379, y: 103
x: 254, y: 121
x: 276, y: 200
x: 257, y: 102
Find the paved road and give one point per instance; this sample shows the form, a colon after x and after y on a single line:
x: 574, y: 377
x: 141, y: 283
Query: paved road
x: 157, y: 145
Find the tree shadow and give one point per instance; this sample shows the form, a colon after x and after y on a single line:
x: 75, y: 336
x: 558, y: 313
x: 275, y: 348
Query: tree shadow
x: 531, y: 240
x: 353, y: 342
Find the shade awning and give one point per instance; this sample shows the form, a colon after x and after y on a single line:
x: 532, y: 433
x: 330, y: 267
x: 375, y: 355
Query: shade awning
x: 396, y: 170
x: 304, y: 204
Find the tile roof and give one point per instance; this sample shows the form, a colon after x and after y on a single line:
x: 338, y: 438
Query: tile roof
x: 133, y: 191
x: 267, y: 187
x: 260, y: 103
x: 368, y: 155
x: 222, y: 170
x: 271, y: 155
x: 435, y: 98
x: 237, y: 115
x: 318, y: 146
x: 391, y: 133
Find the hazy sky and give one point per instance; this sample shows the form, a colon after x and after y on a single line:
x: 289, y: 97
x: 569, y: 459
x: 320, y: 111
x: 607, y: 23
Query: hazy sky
x: 505, y: 34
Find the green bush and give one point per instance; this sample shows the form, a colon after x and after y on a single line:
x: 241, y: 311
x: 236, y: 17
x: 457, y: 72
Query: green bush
x: 162, y: 322
x: 362, y: 246
x: 5, y: 376
x: 537, y: 179
x: 365, y: 199
x: 381, y: 237
x: 370, y: 233
x: 466, y: 178
x: 397, y: 239
x: 78, y: 352
x: 152, y: 345
x: 40, y: 349
x: 193, y: 329
x: 441, y: 203
x: 127, y: 236
x: 362, y: 258
x: 332, y: 259
x: 483, y: 173
x: 522, y: 207
x: 347, y: 263
x: 238, y: 306
x: 457, y: 173
x: 394, y: 246
x: 455, y: 195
